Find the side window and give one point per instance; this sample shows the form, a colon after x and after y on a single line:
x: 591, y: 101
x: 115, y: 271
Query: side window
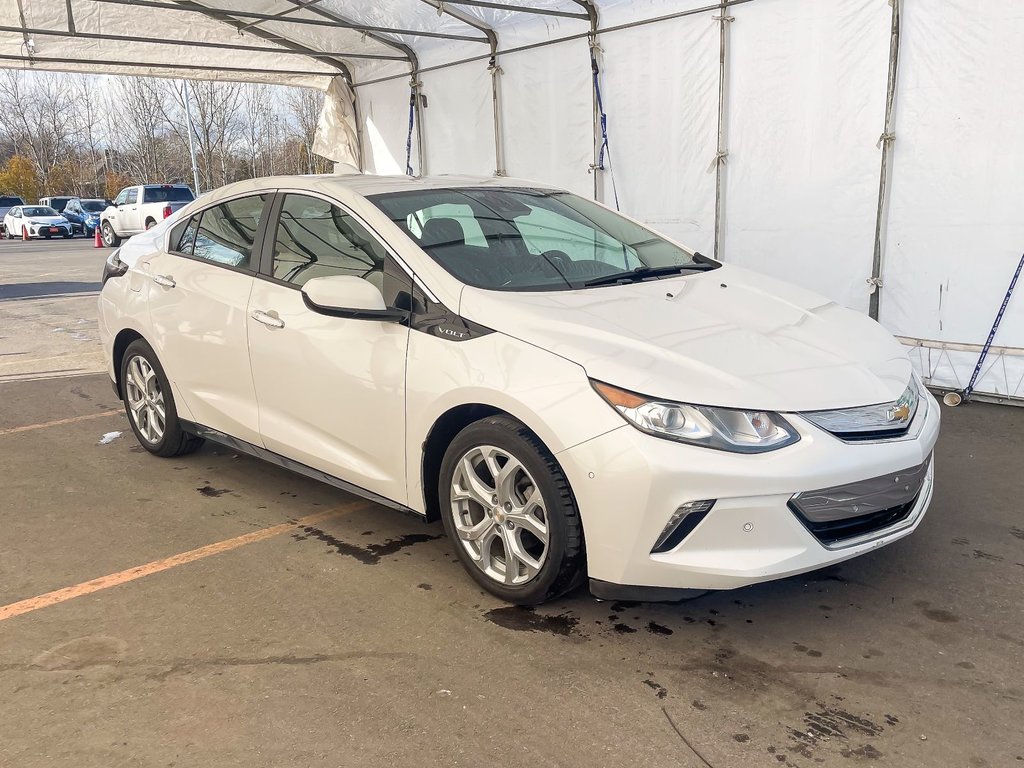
x: 227, y: 231
x: 132, y: 196
x: 183, y: 236
x: 317, y: 239
x: 121, y: 197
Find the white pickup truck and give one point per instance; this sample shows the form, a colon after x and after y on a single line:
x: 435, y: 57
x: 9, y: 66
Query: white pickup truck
x: 136, y: 209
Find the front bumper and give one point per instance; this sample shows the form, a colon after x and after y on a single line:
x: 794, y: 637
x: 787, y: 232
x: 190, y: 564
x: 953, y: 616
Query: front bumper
x: 628, y: 484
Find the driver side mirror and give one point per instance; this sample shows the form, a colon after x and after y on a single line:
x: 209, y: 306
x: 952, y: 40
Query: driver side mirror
x: 349, y: 297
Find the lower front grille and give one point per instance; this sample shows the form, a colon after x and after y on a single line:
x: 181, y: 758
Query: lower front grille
x: 843, y: 512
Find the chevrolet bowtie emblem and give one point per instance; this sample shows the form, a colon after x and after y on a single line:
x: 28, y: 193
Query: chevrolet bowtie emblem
x: 899, y: 412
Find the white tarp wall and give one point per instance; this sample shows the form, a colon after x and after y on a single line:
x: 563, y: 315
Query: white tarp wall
x: 773, y: 165
x: 803, y: 113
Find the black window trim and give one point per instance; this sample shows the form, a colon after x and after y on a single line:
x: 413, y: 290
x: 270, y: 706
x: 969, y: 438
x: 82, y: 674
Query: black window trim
x: 257, y: 241
x: 266, y: 261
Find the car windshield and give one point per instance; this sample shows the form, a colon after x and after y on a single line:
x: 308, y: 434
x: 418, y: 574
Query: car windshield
x: 168, y: 194
x: 93, y: 206
x: 38, y: 210
x: 10, y: 202
x: 520, y: 239
x: 59, y: 203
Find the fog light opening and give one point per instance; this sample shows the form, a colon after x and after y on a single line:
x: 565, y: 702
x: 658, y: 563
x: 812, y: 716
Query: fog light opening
x: 681, y: 524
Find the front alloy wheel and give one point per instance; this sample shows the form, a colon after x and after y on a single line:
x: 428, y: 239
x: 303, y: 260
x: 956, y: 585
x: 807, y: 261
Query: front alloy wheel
x: 499, y: 515
x: 506, y: 506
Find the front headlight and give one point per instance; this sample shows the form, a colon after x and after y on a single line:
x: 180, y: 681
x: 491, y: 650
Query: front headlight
x: 724, y: 429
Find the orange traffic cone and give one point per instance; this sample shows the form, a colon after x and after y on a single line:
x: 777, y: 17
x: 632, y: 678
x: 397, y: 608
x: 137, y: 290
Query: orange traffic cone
x: 24, y: 232
x: 98, y: 241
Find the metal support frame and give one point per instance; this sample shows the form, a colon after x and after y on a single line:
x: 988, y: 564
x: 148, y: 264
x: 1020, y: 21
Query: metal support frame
x: 595, y: 120
x: 200, y: 44
x: 150, y: 65
x: 723, y: 19
x: 279, y: 14
x: 516, y: 8
x: 492, y: 67
x: 885, y: 141
x: 187, y: 5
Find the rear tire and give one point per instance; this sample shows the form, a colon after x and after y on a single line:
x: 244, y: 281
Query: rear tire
x: 110, y: 237
x: 149, y: 404
x: 501, y: 491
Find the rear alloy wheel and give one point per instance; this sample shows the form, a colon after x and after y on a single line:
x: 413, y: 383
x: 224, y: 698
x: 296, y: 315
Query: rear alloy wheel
x: 150, y: 405
x: 110, y: 238
x: 507, y: 507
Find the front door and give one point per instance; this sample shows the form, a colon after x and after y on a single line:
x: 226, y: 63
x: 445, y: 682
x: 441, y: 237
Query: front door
x: 331, y: 391
x: 198, y: 294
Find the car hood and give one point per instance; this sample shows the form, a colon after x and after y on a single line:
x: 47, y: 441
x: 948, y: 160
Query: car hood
x: 728, y: 337
x: 48, y: 220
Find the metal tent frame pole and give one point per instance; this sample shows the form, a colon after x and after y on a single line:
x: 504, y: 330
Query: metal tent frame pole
x: 885, y: 174
x: 721, y: 152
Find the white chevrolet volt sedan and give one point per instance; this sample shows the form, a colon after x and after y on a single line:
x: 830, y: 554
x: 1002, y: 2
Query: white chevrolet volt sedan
x: 572, y: 394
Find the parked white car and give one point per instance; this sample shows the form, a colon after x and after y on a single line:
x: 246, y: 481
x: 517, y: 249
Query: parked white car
x: 39, y: 221
x: 571, y: 393
x: 141, y: 207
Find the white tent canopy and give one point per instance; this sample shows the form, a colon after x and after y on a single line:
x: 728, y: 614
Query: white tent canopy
x: 871, y: 150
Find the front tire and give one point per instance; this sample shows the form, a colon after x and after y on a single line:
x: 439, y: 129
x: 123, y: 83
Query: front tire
x: 150, y: 405
x: 110, y: 238
x: 507, y: 507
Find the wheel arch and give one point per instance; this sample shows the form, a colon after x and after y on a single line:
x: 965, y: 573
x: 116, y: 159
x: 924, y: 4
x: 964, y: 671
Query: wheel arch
x: 124, y: 337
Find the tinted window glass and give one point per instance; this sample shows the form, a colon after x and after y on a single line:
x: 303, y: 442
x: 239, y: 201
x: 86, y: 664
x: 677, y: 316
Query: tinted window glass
x: 318, y: 239
x: 94, y: 206
x: 226, y: 232
x: 525, y: 239
x: 9, y: 201
x: 184, y: 238
x: 59, y: 203
x: 131, y: 196
x: 167, y: 195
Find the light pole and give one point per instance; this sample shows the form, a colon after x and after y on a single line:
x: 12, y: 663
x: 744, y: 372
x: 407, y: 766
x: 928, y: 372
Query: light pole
x: 191, y: 139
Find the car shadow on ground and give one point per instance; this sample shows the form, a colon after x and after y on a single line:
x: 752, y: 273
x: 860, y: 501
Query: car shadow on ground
x: 46, y: 290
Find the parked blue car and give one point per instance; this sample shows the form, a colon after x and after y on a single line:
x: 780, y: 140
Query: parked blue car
x: 84, y: 215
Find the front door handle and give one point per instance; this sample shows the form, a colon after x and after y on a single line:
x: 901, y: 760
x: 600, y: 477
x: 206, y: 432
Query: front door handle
x: 267, y: 319
x: 164, y: 280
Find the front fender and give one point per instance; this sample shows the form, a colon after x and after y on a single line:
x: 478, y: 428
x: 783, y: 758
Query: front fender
x: 547, y: 393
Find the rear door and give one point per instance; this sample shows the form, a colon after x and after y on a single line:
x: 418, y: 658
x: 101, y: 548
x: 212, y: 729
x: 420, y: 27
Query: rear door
x: 331, y: 390
x: 198, y: 295
x: 128, y: 213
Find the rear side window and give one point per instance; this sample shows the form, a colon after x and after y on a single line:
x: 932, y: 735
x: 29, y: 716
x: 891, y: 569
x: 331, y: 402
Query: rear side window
x: 183, y: 239
x: 167, y: 195
x: 226, y: 232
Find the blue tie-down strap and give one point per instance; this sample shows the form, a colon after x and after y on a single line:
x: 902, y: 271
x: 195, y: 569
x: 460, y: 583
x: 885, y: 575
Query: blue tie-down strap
x: 408, y: 140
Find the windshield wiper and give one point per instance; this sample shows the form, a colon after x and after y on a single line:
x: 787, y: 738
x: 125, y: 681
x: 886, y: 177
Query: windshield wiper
x: 645, y: 272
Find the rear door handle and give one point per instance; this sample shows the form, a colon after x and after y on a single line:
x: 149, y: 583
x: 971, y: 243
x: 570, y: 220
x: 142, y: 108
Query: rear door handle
x: 267, y: 319
x: 164, y: 280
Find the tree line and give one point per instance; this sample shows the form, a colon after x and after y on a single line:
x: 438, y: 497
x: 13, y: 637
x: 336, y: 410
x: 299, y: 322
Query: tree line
x: 90, y: 135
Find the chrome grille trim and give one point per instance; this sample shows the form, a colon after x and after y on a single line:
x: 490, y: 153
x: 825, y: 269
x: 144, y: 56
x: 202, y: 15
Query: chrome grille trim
x: 873, y: 422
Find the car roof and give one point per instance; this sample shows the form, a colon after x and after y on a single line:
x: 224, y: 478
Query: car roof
x: 363, y: 185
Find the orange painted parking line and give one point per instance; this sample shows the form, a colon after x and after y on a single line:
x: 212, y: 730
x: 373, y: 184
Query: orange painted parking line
x: 58, y: 422
x: 122, y: 577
